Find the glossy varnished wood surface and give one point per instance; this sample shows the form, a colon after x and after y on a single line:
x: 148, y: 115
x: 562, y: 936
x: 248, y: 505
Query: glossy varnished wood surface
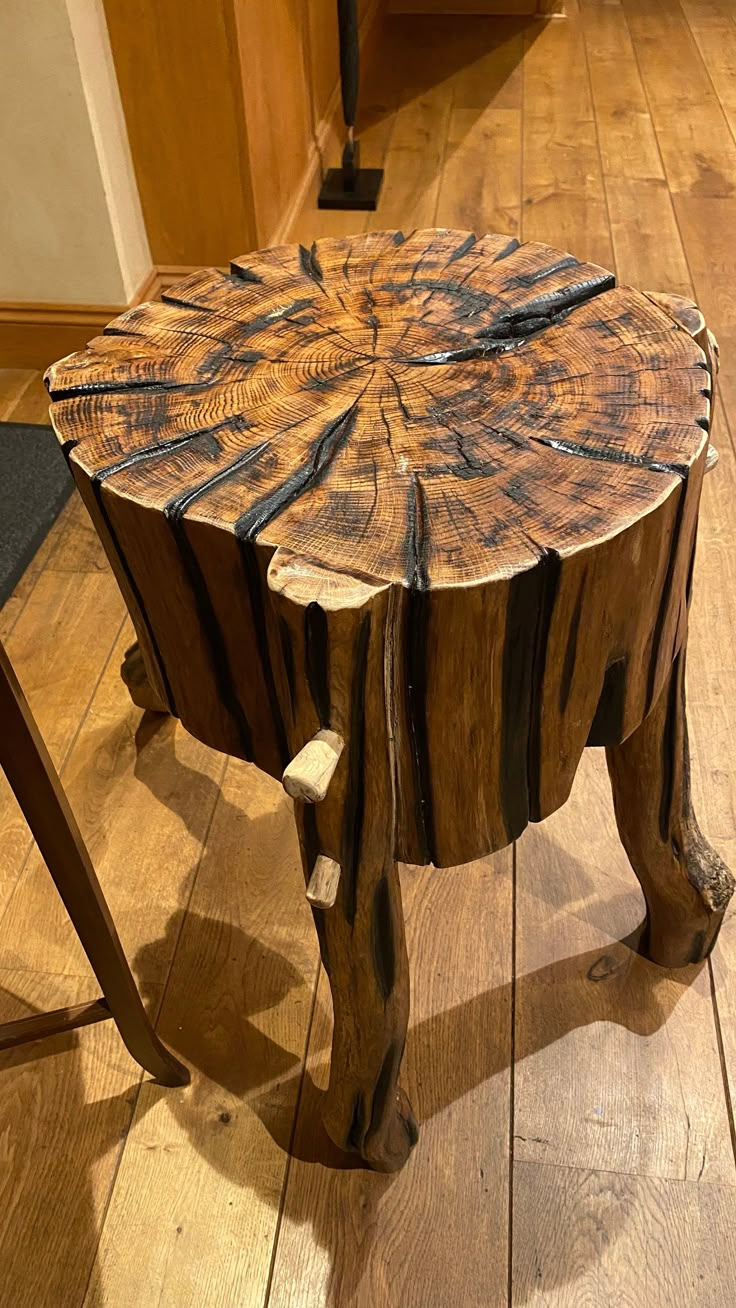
x: 615, y: 1112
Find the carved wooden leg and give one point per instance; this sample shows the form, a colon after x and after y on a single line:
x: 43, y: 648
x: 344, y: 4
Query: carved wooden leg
x: 364, y: 954
x: 133, y: 673
x: 336, y: 635
x: 686, y: 885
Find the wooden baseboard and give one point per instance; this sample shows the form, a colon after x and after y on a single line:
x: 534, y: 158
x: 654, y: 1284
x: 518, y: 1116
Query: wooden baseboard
x: 524, y: 8
x: 36, y: 335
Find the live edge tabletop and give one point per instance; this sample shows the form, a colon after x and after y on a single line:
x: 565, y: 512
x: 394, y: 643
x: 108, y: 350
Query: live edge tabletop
x: 433, y: 499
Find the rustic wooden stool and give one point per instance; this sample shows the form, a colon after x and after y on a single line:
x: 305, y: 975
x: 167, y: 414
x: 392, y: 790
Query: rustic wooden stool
x: 411, y: 521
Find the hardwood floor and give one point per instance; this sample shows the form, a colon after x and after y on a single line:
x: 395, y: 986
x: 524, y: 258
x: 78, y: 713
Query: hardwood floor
x: 577, y: 1139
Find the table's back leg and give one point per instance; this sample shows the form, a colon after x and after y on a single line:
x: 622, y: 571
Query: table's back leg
x: 34, y: 780
x: 686, y: 885
x: 134, y: 675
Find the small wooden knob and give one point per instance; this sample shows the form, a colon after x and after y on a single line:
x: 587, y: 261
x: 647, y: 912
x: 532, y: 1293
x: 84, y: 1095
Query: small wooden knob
x: 711, y: 458
x: 309, y: 774
x: 323, y: 883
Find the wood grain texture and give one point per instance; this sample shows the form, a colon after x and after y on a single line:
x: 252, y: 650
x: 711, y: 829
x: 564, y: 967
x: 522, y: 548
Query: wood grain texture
x: 617, y: 1060
x: 600, y: 1238
x: 468, y: 422
x: 197, y: 1197
x: 437, y: 1232
x: 66, y: 1109
x: 563, y: 195
x: 324, y: 882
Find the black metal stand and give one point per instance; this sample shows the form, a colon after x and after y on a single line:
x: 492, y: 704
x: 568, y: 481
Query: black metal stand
x: 350, y: 187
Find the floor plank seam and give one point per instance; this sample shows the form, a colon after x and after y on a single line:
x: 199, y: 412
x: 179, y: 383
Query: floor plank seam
x: 694, y: 289
x: 701, y: 57
x: 185, y: 907
x: 722, y: 1059
x: 443, y: 160
x: 599, y: 152
x: 157, y: 1011
x: 640, y: 1177
x: 122, y: 1144
x: 292, y: 1136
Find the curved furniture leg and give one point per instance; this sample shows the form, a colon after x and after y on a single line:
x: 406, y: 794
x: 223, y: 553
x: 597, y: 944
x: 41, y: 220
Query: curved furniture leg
x: 686, y: 885
x: 133, y: 673
x: 337, y: 640
x: 32, y: 776
x: 363, y: 950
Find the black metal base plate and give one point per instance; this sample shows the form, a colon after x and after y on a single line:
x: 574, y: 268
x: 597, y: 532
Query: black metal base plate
x: 364, y: 194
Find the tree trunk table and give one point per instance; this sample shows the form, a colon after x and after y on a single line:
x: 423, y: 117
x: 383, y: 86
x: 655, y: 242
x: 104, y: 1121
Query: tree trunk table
x: 411, y: 521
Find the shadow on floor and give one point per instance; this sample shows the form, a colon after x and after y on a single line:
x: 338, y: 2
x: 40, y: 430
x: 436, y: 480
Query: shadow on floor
x: 223, y: 980
x: 610, y: 984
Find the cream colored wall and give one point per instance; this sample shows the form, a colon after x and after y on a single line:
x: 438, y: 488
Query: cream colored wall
x: 71, y: 229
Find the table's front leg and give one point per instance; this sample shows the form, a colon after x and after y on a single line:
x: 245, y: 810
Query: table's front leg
x: 363, y: 950
x: 686, y: 884
x: 336, y: 640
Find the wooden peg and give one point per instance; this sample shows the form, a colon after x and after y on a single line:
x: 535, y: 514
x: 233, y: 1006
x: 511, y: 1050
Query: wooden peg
x: 711, y: 458
x: 309, y: 774
x: 323, y: 883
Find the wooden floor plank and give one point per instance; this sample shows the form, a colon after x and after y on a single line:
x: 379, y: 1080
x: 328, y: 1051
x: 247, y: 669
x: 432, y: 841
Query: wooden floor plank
x: 66, y: 1104
x: 713, y: 26
x: 414, y: 161
x: 697, y: 146
x: 646, y: 240
x: 33, y: 404
x: 712, y: 712
x: 564, y: 201
x: 617, y: 1060
x: 14, y: 383
x: 195, y: 1207
x: 604, y: 1240
x: 436, y: 1233
x: 628, y: 143
x: 488, y: 69
x: 143, y: 792
x: 481, y: 182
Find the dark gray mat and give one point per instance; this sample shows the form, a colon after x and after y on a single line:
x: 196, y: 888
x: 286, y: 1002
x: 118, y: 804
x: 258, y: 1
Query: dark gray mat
x: 35, y: 484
